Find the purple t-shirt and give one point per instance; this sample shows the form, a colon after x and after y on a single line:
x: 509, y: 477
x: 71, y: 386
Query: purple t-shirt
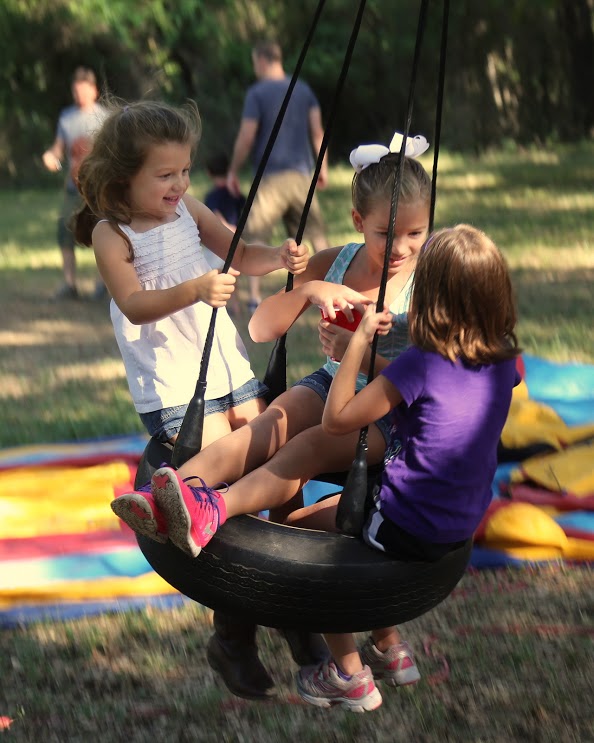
x: 438, y: 486
x: 292, y: 148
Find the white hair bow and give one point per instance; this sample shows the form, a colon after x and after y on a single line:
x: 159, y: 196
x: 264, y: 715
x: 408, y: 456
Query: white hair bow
x: 368, y: 154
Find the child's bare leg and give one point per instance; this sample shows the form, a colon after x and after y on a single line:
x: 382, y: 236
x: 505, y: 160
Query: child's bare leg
x: 301, y: 459
x: 344, y: 652
x: 230, y: 458
x: 321, y: 515
x: 215, y: 426
x: 385, y: 638
x: 282, y: 514
x: 246, y: 412
x: 218, y: 425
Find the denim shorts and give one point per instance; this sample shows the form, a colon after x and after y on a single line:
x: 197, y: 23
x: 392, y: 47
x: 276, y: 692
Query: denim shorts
x: 164, y: 424
x: 320, y: 382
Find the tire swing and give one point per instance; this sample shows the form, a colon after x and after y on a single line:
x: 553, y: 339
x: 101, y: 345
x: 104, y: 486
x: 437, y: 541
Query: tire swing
x: 287, y: 577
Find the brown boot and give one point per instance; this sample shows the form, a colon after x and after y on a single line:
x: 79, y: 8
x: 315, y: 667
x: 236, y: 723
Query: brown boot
x: 232, y: 652
x: 307, y: 648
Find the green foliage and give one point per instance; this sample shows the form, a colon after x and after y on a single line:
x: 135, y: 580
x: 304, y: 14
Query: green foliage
x: 516, y: 69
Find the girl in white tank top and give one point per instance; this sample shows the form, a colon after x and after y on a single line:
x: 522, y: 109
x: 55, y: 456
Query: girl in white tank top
x: 148, y: 236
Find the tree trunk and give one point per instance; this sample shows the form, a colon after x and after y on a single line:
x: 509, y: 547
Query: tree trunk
x: 575, y: 20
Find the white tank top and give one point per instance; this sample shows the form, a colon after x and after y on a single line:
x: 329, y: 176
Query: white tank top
x: 162, y: 359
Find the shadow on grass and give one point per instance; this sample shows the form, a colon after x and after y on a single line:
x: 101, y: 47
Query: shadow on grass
x: 503, y: 659
x: 547, y: 195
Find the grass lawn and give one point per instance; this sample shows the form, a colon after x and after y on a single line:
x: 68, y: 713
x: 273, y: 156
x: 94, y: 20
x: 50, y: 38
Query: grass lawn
x: 504, y: 659
x: 62, y: 361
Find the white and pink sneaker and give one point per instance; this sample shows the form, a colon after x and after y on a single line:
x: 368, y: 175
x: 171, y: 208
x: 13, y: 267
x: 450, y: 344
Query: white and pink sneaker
x: 395, y: 667
x: 323, y: 686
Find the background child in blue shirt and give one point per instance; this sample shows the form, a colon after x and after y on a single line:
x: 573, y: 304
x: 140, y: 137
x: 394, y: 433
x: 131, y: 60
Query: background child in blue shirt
x: 227, y: 206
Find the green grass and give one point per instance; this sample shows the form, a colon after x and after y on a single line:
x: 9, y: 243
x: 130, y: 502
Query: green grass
x: 503, y: 660
x: 61, y: 373
x: 517, y: 643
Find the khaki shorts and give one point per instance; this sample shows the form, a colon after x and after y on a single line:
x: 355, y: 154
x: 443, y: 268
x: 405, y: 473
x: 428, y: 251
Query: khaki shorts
x: 281, y: 196
x: 72, y: 203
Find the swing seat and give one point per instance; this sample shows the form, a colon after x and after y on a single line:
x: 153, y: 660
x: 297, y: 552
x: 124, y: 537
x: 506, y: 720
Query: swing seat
x: 286, y: 577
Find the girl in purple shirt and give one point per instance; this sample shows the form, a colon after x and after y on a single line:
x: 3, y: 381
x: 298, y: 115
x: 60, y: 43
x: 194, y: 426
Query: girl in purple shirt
x: 449, y: 394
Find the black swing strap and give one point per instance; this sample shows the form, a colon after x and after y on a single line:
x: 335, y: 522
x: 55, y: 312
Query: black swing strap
x: 275, y: 377
x: 439, y: 106
x: 189, y: 439
x: 351, y: 507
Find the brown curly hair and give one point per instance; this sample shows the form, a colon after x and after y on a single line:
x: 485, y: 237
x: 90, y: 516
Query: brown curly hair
x: 119, y: 151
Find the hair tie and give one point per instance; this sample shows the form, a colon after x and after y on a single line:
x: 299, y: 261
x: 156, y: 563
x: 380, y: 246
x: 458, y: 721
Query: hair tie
x: 369, y: 154
x: 433, y: 235
x: 427, y: 242
x: 125, y: 109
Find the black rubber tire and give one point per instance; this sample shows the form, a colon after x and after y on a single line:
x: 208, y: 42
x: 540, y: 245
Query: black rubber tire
x: 280, y: 576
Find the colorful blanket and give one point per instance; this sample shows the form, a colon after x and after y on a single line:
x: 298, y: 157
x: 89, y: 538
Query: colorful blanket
x: 63, y: 554
x: 543, y: 505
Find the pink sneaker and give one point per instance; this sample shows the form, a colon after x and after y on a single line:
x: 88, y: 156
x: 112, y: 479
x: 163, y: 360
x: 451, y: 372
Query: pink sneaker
x: 139, y: 510
x: 395, y: 667
x: 324, y: 687
x: 193, y: 514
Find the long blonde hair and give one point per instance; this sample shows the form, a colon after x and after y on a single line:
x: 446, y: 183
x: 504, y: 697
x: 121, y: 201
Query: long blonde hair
x: 119, y: 150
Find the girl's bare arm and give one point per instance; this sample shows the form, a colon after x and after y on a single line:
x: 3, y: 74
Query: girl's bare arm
x: 276, y: 314
x: 346, y: 411
x: 145, y: 306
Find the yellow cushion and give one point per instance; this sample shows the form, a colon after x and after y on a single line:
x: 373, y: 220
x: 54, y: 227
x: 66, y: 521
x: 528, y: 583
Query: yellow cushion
x: 524, y: 524
x: 569, y: 471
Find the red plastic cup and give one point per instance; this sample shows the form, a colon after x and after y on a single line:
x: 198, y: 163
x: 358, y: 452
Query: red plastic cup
x: 342, y: 321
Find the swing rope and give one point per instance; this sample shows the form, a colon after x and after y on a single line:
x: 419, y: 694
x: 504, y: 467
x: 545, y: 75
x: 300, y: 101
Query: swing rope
x: 350, y: 513
x: 189, y: 439
x: 275, y: 377
x: 439, y: 107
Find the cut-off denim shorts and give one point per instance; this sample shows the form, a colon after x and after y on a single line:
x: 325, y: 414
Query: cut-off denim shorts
x: 164, y: 424
x: 320, y: 382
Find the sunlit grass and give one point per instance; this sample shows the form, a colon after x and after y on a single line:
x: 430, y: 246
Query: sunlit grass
x: 61, y: 375
x: 141, y: 676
